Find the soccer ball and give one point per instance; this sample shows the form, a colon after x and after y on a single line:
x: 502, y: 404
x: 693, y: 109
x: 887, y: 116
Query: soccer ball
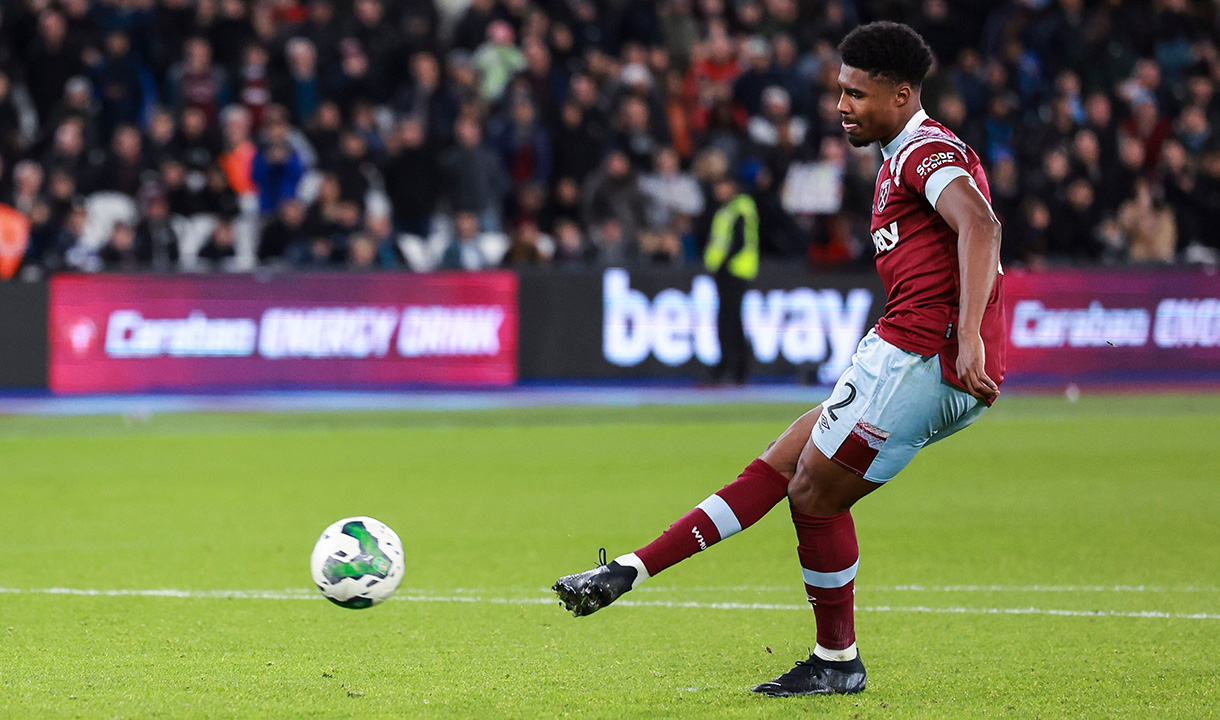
x: 357, y: 563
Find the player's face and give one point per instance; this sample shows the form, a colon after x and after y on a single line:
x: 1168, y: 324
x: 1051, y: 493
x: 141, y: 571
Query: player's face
x: 869, y: 106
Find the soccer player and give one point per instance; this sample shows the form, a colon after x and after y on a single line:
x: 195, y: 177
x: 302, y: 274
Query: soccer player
x: 929, y: 368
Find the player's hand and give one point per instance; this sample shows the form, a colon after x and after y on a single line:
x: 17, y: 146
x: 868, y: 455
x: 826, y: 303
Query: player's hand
x: 971, y: 358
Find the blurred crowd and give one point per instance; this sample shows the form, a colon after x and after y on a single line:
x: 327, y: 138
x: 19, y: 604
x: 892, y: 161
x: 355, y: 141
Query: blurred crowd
x: 467, y: 134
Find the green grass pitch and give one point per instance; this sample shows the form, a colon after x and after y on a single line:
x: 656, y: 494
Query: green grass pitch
x: 1055, y: 560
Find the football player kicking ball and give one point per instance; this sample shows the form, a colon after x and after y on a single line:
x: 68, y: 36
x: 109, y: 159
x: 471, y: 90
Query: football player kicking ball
x: 929, y: 368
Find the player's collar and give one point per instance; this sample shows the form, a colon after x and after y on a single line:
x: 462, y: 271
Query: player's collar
x: 916, y: 120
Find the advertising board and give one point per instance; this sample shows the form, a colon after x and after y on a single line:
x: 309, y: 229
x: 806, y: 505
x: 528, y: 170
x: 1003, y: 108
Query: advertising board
x: 620, y: 323
x: 1113, y: 326
x: 115, y: 333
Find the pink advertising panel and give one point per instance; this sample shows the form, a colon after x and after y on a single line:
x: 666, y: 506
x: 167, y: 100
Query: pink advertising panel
x: 1127, y: 325
x: 121, y: 333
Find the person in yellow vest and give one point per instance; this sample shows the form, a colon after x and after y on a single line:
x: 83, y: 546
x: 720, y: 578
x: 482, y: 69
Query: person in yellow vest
x: 731, y: 256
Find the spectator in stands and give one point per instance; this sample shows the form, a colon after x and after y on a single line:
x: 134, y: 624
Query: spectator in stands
x: 51, y: 59
x: 196, y: 82
x: 220, y: 248
x: 379, y: 38
x: 1148, y: 226
x: 379, y: 229
x: 323, y: 132
x: 474, y: 176
x: 361, y: 252
x: 570, y: 246
x: 238, y: 149
x: 546, y: 83
x: 68, y: 151
x: 198, y: 144
x: 497, y: 60
x: 119, y: 252
x: 162, y: 130
x: 357, y: 80
x: 123, y: 168
x: 218, y: 198
x: 680, y: 29
x: 776, y: 128
x: 578, y: 142
x: 671, y: 191
x: 613, y: 204
x: 525, y: 246
x: 354, y: 168
x: 286, y: 230
x: 277, y: 167
x: 564, y: 204
x: 756, y: 75
x: 410, y: 174
x: 427, y: 99
x: 254, y: 84
x: 463, y: 251
x: 27, y: 186
x: 523, y: 143
x: 156, y: 240
x: 121, y: 80
x: 302, y: 90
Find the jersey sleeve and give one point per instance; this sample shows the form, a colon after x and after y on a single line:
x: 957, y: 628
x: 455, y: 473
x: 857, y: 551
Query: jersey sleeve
x: 931, y: 164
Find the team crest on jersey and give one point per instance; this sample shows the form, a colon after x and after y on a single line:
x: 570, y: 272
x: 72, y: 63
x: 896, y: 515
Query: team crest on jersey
x: 883, y: 195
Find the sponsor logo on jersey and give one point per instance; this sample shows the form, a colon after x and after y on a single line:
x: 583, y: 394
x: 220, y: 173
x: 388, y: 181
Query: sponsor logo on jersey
x: 934, y: 161
x: 883, y: 196
x: 884, y: 239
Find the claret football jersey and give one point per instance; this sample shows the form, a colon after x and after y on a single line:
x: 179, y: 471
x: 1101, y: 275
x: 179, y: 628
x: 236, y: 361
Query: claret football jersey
x: 916, y: 250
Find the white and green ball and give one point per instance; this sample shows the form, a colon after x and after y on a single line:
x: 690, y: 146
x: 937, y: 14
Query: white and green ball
x: 357, y: 563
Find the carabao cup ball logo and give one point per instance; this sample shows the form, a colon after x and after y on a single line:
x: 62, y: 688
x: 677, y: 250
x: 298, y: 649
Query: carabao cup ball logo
x: 883, y: 195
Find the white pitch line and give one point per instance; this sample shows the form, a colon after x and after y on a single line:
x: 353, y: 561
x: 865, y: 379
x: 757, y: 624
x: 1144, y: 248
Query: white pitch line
x: 948, y: 588
x: 310, y: 595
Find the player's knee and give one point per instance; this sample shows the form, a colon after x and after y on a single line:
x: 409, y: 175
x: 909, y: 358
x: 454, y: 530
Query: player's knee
x: 814, y: 495
x: 801, y: 487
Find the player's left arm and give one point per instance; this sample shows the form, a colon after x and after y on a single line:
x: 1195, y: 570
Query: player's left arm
x: 978, y: 250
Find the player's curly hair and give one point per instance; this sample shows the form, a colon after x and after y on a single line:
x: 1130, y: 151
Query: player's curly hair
x: 888, y: 49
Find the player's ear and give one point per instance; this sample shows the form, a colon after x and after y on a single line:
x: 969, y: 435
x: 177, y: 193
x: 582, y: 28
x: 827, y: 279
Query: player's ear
x: 903, y: 94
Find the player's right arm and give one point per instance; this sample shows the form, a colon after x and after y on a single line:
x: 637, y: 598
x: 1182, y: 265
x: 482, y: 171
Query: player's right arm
x: 978, y: 249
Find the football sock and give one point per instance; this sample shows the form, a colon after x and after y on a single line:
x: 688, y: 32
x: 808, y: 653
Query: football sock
x: 632, y: 560
x: 829, y: 557
x: 844, y: 655
x: 730, y: 510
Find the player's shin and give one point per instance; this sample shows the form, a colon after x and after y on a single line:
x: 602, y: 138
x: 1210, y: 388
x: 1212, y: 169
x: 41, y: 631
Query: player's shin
x: 730, y: 510
x: 829, y: 557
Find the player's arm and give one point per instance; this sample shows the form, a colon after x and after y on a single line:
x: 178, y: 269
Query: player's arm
x: 978, y: 250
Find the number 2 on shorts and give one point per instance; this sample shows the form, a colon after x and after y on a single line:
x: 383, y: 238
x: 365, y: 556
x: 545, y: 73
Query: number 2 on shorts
x: 851, y: 395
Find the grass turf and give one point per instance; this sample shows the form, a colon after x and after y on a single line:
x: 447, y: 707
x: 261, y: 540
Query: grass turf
x: 1109, y: 505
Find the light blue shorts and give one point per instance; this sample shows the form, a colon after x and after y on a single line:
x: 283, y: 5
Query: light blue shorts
x: 888, y: 405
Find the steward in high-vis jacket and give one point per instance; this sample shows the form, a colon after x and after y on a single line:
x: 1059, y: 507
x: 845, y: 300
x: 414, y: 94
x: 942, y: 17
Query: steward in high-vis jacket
x: 732, y: 258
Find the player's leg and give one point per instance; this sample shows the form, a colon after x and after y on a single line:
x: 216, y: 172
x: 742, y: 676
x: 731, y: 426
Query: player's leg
x: 820, y: 496
x: 731, y: 509
x: 888, y: 405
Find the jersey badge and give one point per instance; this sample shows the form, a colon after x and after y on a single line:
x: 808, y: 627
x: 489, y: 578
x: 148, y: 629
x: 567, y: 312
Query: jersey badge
x: 883, y: 196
